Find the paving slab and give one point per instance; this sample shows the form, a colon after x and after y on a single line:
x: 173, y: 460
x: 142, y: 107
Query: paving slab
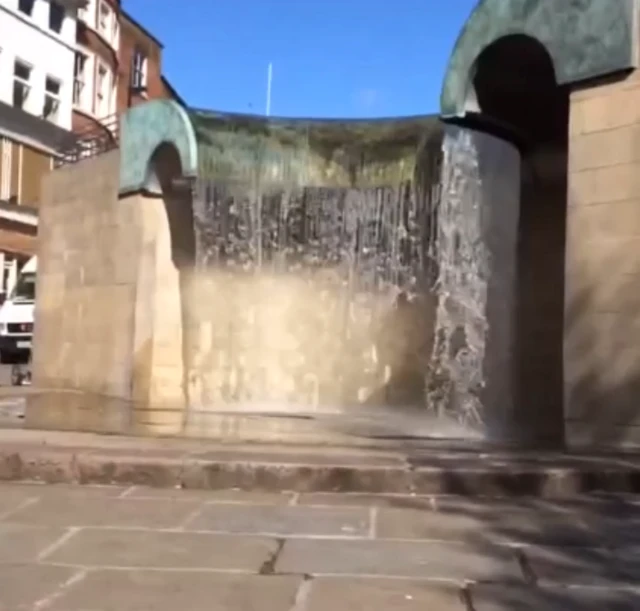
x: 24, y: 585
x: 75, y: 510
x: 501, y: 598
x: 421, y: 560
x: 569, y: 565
x: 597, y: 507
x: 352, y: 594
x: 282, y: 521
x: 12, y: 499
x: 169, y: 591
x: 427, y: 524
x: 358, y: 499
x: 615, y: 532
x: 242, y: 497
x: 20, y: 543
x: 501, y: 523
x: 41, y: 490
x: 110, y: 548
x: 628, y: 563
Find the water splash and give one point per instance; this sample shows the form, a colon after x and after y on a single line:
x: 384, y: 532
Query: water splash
x: 296, y: 293
x: 461, y: 286
x: 312, y: 299
x: 475, y: 248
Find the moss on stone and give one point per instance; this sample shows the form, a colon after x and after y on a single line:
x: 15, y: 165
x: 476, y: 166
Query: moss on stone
x: 310, y: 151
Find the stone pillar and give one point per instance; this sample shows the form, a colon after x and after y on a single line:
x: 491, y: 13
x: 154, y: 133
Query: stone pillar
x: 158, y: 389
x: 88, y: 252
x: 602, y: 305
x: 499, y: 173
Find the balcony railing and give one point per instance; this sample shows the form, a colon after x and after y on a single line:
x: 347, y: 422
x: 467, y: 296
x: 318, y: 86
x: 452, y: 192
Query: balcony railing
x: 90, y: 142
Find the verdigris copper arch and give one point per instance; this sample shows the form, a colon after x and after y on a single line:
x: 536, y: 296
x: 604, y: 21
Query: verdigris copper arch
x: 584, y: 38
x: 146, y: 127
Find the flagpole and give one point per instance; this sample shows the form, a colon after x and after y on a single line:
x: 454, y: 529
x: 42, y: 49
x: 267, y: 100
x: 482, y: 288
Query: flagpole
x: 269, y: 79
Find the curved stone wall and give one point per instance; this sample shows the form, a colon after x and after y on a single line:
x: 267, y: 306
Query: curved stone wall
x: 585, y: 39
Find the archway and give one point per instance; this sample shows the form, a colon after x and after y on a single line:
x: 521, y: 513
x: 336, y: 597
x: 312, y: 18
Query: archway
x: 517, y: 96
x: 169, y: 261
x: 165, y: 180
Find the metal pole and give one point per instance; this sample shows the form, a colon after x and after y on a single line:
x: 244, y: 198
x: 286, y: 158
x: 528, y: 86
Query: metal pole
x: 269, y: 79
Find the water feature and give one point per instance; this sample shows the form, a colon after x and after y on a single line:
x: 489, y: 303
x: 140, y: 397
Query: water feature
x: 299, y: 289
x: 355, y: 280
x: 477, y: 212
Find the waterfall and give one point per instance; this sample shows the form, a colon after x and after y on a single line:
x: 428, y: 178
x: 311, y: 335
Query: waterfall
x: 475, y: 250
x: 463, y: 269
x: 391, y: 297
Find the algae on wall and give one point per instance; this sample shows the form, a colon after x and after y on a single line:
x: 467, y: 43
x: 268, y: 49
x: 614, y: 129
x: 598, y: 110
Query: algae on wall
x: 308, y: 152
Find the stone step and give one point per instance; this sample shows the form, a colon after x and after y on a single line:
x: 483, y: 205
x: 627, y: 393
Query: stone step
x: 94, y: 459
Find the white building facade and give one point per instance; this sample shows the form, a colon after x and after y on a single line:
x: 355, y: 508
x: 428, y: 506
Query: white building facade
x: 37, y: 55
x: 96, y: 60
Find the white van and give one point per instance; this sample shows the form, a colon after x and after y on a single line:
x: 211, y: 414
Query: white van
x: 16, y: 316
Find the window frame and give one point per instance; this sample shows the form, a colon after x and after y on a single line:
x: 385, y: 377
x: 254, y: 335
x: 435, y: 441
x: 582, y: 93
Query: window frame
x: 103, y: 98
x: 139, y: 70
x: 25, y: 82
x: 105, y: 12
x: 50, y: 96
x: 79, y: 77
x: 29, y: 13
x: 63, y: 13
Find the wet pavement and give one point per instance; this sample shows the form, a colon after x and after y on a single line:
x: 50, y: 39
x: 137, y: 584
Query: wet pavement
x: 73, y: 548
x: 12, y: 400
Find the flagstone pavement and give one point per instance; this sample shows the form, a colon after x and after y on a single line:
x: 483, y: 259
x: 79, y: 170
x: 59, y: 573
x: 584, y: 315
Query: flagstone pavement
x: 80, y: 548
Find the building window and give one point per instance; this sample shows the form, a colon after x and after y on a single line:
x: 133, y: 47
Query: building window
x: 21, y: 84
x: 115, y: 36
x: 105, y: 15
x: 139, y: 70
x: 26, y: 6
x: 56, y: 16
x: 51, y: 99
x: 79, y: 77
x: 6, y: 157
x: 103, y: 87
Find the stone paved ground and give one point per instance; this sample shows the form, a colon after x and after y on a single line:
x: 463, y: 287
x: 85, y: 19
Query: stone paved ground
x: 67, y: 548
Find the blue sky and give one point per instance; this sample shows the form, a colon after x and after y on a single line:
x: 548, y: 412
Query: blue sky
x: 331, y: 58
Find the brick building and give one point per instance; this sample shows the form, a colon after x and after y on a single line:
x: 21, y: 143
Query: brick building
x: 140, y: 76
x: 36, y: 63
x: 68, y: 69
x: 118, y: 64
x: 96, y: 63
x: 28, y: 147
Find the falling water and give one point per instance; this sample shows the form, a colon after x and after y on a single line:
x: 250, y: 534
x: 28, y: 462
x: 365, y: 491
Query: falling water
x: 357, y: 299
x: 297, y: 291
x: 463, y: 271
x: 477, y: 216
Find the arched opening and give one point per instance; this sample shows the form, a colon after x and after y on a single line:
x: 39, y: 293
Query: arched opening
x: 175, y: 253
x: 163, y: 180
x: 517, y: 97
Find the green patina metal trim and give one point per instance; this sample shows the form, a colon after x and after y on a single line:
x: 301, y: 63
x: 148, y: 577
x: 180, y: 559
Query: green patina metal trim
x: 585, y: 39
x: 280, y: 152
x: 272, y: 151
x: 146, y: 127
